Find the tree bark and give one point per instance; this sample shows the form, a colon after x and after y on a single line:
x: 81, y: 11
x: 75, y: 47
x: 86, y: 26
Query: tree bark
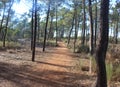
x: 38, y: 29
x: 91, y: 28
x: 56, y: 25
x: 32, y: 26
x: 103, y: 44
x: 84, y: 23
x: 91, y: 35
x: 45, y: 32
x: 50, y: 35
x: 75, y: 37
x: 71, y: 29
x: 116, y: 35
x: 95, y: 23
x: 34, y: 35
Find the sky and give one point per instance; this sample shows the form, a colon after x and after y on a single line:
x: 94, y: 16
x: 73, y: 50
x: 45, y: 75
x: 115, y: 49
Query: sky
x: 22, y: 7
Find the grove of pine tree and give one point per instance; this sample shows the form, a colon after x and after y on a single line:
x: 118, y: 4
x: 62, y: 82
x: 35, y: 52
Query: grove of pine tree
x: 85, y: 26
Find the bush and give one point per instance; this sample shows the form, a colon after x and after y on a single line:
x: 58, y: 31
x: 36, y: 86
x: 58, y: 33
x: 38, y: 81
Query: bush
x: 114, y: 51
x: 51, y: 43
x: 93, y: 64
x: 82, y: 48
x: 9, y: 45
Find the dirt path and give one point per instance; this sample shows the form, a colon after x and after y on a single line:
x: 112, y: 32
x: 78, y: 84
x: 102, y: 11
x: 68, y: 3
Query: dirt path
x: 53, y: 68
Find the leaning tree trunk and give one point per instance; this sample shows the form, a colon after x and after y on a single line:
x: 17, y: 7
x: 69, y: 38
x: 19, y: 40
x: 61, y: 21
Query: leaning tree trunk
x: 69, y: 36
x: 3, y: 16
x: 103, y: 44
x: 6, y: 26
x: 45, y: 33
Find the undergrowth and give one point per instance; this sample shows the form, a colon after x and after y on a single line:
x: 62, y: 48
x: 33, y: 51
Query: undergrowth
x: 9, y: 45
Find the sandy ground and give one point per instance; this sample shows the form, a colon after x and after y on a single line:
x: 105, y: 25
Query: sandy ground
x: 53, y: 68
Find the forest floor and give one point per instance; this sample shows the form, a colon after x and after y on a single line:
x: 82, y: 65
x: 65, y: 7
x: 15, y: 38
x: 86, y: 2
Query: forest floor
x: 56, y: 67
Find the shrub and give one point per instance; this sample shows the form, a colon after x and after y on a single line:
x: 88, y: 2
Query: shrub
x: 109, y: 71
x: 9, y: 45
x: 82, y: 48
x: 116, y: 72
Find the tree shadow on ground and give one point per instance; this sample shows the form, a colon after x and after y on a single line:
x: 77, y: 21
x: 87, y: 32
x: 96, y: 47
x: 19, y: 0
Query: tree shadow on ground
x: 58, y: 65
x: 25, y: 76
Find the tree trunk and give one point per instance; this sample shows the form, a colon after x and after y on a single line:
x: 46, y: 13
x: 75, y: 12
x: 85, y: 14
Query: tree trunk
x: 95, y: 23
x: 75, y: 38
x: 91, y: 28
x: 1, y: 24
x: 116, y: 35
x: 103, y: 44
x: 35, y: 31
x: 91, y: 35
x: 32, y: 26
x: 84, y: 23
x: 45, y: 33
x: 71, y: 29
x: 50, y: 35
x: 6, y: 26
x: 38, y: 29
x: 56, y: 25
x: 62, y: 31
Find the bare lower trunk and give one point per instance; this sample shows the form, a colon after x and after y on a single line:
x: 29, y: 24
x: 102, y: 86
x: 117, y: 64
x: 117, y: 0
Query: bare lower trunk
x: 103, y: 44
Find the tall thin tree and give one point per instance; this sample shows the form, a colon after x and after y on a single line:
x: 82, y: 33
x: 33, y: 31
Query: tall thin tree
x: 96, y: 9
x: 45, y: 32
x: 72, y: 25
x: 91, y: 27
x: 32, y: 25
x: 35, y: 31
x: 84, y: 22
x: 56, y: 23
x: 7, y: 21
x: 91, y: 34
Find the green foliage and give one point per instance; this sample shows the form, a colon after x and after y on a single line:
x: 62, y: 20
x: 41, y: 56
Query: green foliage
x: 116, y: 72
x: 94, y: 68
x: 114, y: 51
x: 51, y: 43
x: 109, y: 70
